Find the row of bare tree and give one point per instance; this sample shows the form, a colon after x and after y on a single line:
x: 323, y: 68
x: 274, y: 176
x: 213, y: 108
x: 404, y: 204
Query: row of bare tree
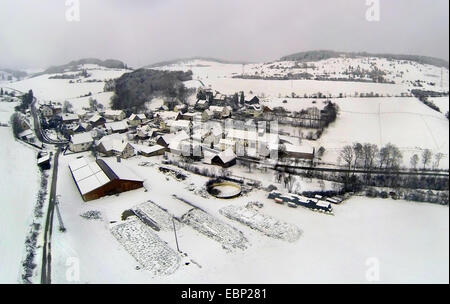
x: 369, y: 156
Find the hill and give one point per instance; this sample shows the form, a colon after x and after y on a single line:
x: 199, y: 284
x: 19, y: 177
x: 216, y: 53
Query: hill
x: 74, y: 65
x: 184, y: 60
x: 318, y: 55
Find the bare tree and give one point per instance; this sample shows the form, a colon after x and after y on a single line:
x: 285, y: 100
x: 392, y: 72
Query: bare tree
x: 414, y: 161
x: 370, y: 152
x: 347, y: 154
x: 438, y: 156
x: 427, y: 155
x: 358, y: 152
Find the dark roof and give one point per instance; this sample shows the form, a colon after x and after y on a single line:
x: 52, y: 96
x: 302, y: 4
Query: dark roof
x: 106, y: 169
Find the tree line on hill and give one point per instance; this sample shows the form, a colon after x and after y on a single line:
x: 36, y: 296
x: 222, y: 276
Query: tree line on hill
x: 310, y: 56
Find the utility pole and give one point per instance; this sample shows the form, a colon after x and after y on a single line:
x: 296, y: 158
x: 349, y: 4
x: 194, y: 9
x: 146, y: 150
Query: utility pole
x: 175, y: 232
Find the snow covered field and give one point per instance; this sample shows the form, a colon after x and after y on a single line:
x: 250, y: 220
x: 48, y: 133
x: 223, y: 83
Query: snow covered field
x: 405, y: 122
x: 410, y: 240
x: 268, y: 225
x: 18, y: 189
x: 58, y: 90
x: 219, y: 77
x: 146, y: 247
x: 227, y: 235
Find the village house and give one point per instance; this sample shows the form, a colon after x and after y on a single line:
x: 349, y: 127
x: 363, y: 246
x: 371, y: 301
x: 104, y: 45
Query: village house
x: 202, y: 104
x: 46, y: 110
x: 221, y: 112
x: 145, y: 132
x: 136, y: 119
x: 117, y: 126
x: 189, y: 116
x: 207, y: 115
x: 95, y: 179
x: 149, y: 151
x: 97, y: 121
x: 180, y: 108
x: 111, y: 146
x: 80, y: 142
x: 178, y: 125
x: 114, y: 115
x: 77, y: 128
x: 252, y: 143
x: 68, y: 118
x: 225, y: 144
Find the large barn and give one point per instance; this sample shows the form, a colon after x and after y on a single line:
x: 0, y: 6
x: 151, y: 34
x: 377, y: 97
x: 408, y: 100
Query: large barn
x: 95, y: 179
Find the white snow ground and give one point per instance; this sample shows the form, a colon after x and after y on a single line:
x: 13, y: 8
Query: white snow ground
x: 410, y: 240
x: 18, y: 189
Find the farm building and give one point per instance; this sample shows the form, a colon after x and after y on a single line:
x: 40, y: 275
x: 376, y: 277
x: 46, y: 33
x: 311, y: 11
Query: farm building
x: 305, y: 152
x: 224, y: 159
x: 80, y: 142
x: 99, y: 178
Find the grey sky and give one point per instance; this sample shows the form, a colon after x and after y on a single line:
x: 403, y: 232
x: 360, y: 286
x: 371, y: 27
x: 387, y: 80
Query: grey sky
x: 139, y: 32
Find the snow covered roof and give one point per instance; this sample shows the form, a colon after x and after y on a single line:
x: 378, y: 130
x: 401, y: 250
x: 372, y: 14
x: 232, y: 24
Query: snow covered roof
x: 87, y: 175
x: 95, y: 118
x: 90, y: 175
x: 227, y: 155
x: 69, y: 116
x: 117, y: 126
x: 178, y: 123
x: 227, y: 141
x: 299, y: 149
x: 113, y: 112
x: 148, y: 149
x: 137, y: 117
x: 43, y: 159
x: 121, y: 171
x: 115, y: 145
x: 81, y: 138
x: 216, y: 109
x: 167, y: 114
x: 25, y: 133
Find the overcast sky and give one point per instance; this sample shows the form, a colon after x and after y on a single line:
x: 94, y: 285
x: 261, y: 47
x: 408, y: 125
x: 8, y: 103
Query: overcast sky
x: 36, y: 33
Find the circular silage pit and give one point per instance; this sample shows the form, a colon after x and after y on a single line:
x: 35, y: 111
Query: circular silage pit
x: 224, y: 189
